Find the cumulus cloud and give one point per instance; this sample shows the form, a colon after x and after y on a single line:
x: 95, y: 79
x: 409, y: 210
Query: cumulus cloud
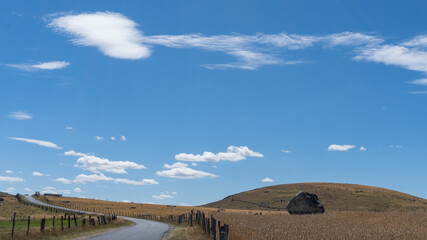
x: 286, y: 151
x: 123, y: 138
x: 77, y: 190
x: 362, y: 148
x: 335, y: 147
x: 97, y: 164
x: 20, y: 115
x: 162, y: 196
x: 83, y: 178
x: 9, y: 171
x: 38, y: 174
x: 28, y: 190
x: 62, y: 180
x: 11, y: 179
x: 182, y: 171
x: 113, y: 138
x: 232, y: 154
x: 38, y: 142
x: 422, y: 81
x: 139, y: 183
x: 113, y: 34
x: 54, y: 65
x: 99, y: 138
x: 267, y: 180
x: 10, y: 190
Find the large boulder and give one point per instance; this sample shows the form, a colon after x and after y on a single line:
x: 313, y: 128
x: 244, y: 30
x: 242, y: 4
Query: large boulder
x: 305, y: 203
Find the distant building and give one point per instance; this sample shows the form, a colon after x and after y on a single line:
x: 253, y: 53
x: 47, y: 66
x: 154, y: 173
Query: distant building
x: 52, y: 195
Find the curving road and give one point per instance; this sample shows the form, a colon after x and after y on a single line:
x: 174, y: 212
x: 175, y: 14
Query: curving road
x: 141, y: 230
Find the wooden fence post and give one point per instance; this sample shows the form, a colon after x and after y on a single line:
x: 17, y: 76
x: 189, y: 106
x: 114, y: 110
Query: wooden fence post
x: 28, y: 226
x: 69, y: 221
x: 75, y: 220
x: 42, y: 225
x: 213, y: 222
x: 223, y: 232
x: 62, y: 223
x: 13, y: 226
x: 53, y: 223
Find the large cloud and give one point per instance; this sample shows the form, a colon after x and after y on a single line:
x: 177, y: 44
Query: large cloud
x: 232, y: 154
x: 182, y: 171
x: 97, y: 164
x: 112, y: 33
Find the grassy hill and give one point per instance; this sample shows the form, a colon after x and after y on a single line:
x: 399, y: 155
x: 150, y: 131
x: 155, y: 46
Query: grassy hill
x: 334, y: 196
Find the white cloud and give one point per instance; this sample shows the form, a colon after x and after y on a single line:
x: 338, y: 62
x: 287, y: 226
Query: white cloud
x: 49, y: 188
x: 54, y: 65
x: 53, y: 190
x: 70, y: 128
x: 181, y: 171
x: 362, y: 148
x: 97, y: 164
x: 112, y: 33
x: 286, y: 151
x: 419, y: 41
x: 335, y: 147
x: 28, y: 190
x: 38, y: 142
x: 232, y: 154
x: 62, y: 180
x: 113, y: 138
x: 422, y: 81
x: 11, y: 179
x: 267, y: 180
x: 162, y: 196
x: 20, y: 115
x: 123, y: 138
x: 194, y: 164
x: 9, y: 171
x: 351, y: 39
x: 77, y: 190
x: 126, y: 201
x: 138, y: 183
x: 38, y: 174
x: 99, y: 138
x: 395, y: 146
x: 83, y: 178
x: 409, y: 58
x: 10, y: 190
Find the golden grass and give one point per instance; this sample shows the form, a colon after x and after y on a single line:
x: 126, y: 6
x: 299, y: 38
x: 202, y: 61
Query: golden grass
x: 11, y: 205
x: 334, y: 196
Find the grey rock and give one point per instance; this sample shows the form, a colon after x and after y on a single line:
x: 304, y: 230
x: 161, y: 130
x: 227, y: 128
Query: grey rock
x: 305, y: 203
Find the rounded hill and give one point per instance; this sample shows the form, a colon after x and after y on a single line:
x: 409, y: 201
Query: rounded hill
x: 334, y: 196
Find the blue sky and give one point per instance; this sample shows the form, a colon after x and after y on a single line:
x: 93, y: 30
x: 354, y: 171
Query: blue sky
x: 186, y: 102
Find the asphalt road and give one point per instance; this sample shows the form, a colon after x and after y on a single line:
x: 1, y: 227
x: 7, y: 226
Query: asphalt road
x: 142, y: 230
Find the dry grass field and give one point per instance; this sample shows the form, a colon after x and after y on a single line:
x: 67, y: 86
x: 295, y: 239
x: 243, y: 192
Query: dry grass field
x: 10, y: 205
x: 250, y: 224
x: 334, y: 196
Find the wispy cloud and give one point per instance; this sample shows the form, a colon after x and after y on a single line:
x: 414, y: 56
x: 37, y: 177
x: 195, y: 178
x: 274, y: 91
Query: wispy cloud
x: 286, y: 151
x: 362, y: 148
x: 395, y: 146
x: 70, y: 128
x: 182, y: 171
x: 77, y: 190
x: 97, y: 164
x: 28, y: 189
x: 418, y: 92
x: 163, y: 195
x: 54, y: 65
x: 99, y: 138
x: 232, y: 154
x: 335, y: 147
x: 267, y: 180
x: 11, y: 179
x: 10, y: 190
x: 83, y: 178
x: 9, y: 171
x: 20, y: 115
x: 123, y: 138
x: 62, y: 180
x: 37, y: 174
x: 38, y: 142
x: 113, y: 34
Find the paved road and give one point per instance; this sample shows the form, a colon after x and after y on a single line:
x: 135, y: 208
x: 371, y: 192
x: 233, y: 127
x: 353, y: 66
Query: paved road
x: 142, y: 230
